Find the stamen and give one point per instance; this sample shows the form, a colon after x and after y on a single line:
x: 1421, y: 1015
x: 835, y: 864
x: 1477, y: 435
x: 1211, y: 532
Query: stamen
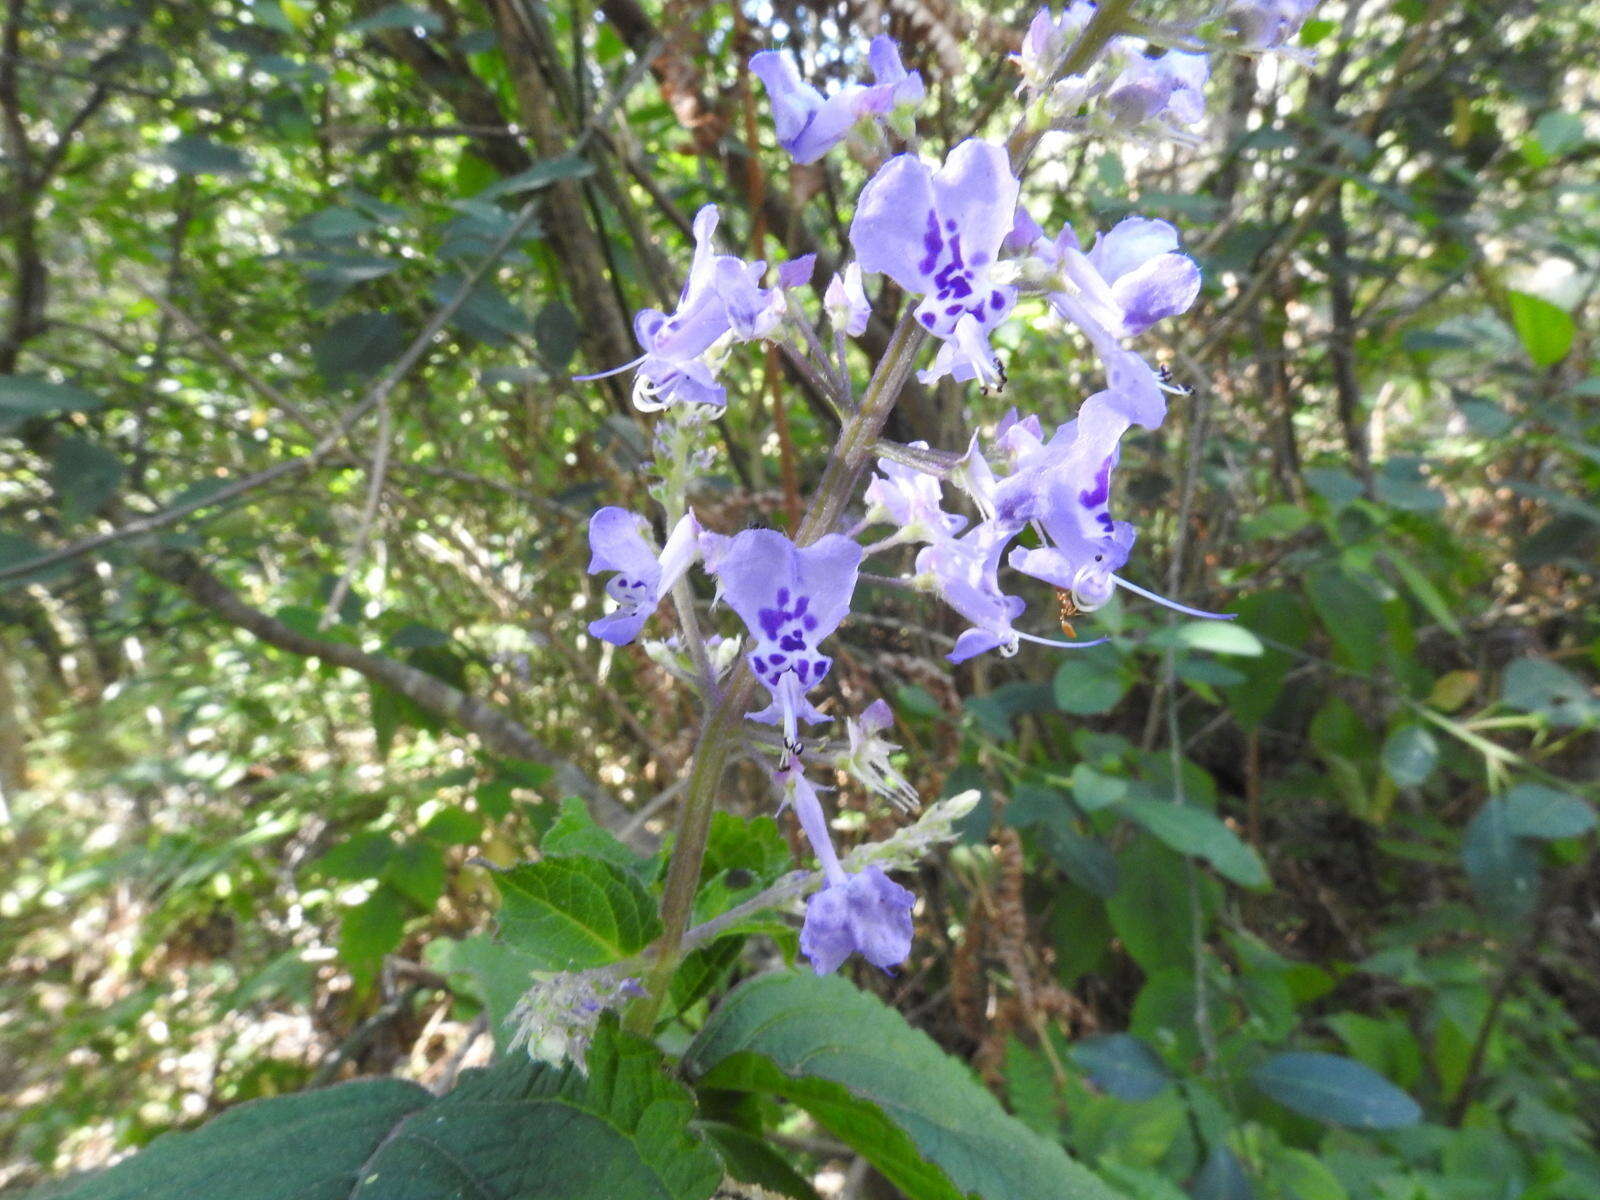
x: 627, y: 366
x: 1172, y: 604
x: 1044, y: 641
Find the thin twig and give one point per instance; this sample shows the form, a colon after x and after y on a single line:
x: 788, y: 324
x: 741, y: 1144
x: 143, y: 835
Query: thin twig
x: 369, y: 514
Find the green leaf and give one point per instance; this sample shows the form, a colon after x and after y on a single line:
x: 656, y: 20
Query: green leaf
x: 1336, y: 1090
x: 1410, y: 755
x: 569, y: 914
x: 516, y: 1131
x: 1350, y: 613
x: 1219, y: 637
x: 495, y: 975
x: 417, y: 871
x: 750, y: 1159
x: 24, y: 396
x: 1193, y: 831
x: 1090, y: 681
x: 1503, y: 868
x: 555, y: 332
x: 84, y: 475
x: 540, y: 175
x: 399, y: 16
x: 1122, y: 1065
x: 882, y: 1087
x: 575, y: 832
x: 191, y: 154
x: 370, y: 930
x: 1222, y: 1178
x: 357, y: 347
x: 1546, y: 331
x: 1537, y: 685
x: 1536, y: 811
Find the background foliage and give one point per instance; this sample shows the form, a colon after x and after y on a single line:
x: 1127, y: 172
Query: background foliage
x: 1302, y: 907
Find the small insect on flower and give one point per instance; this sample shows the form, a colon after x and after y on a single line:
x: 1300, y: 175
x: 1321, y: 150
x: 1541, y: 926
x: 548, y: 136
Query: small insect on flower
x: 1066, y: 609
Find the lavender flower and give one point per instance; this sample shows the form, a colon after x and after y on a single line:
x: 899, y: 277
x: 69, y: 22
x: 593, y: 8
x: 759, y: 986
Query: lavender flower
x: 722, y: 298
x: 867, y: 757
x: 790, y: 599
x: 910, y: 500
x: 617, y: 543
x: 1166, y: 92
x: 846, y: 302
x: 964, y: 571
x: 810, y: 125
x: 938, y: 235
x: 865, y: 913
x: 1267, y: 24
x: 1047, y: 41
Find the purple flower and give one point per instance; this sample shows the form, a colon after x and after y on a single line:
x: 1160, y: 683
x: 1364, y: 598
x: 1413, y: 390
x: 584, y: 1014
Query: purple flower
x: 722, y: 298
x: 846, y: 302
x: 1267, y: 24
x: 1134, y: 276
x: 1168, y: 91
x: 938, y: 235
x: 790, y: 598
x: 797, y: 272
x: 911, y: 500
x: 965, y: 572
x: 809, y: 125
x: 1048, y: 39
x: 1085, y: 544
x: 865, y: 913
x: 617, y: 543
x: 867, y: 758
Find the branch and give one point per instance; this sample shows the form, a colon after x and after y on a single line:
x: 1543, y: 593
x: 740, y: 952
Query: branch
x: 499, y: 733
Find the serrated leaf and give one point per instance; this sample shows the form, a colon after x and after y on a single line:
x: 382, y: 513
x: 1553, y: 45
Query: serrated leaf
x: 1545, y: 330
x: 516, y: 1131
x: 569, y: 914
x: 1536, y: 811
x: 1336, y: 1090
x: 1193, y: 831
x: 882, y: 1087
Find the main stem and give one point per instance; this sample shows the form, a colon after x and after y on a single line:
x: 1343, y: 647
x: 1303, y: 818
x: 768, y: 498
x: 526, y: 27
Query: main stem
x: 850, y: 459
x: 848, y: 463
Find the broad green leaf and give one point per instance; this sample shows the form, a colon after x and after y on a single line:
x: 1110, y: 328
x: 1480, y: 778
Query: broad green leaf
x: 494, y: 974
x: 515, y: 1131
x: 1090, y: 681
x: 1193, y: 831
x: 555, y: 332
x: 1336, y: 1090
x: 1537, y: 685
x: 1536, y: 811
x: 1278, y: 615
x: 1350, y: 614
x: 575, y: 833
x: 882, y: 1087
x: 1094, y: 790
x: 24, y: 396
x: 1410, y: 755
x: 192, y: 154
x: 1150, y: 911
x: 1219, y: 637
x: 1504, y: 870
x: 540, y: 175
x: 84, y: 475
x: 399, y: 16
x: 370, y: 930
x: 1546, y: 331
x: 1122, y: 1065
x: 573, y: 913
x: 1222, y: 1177
x: 752, y: 1160
x: 357, y: 347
